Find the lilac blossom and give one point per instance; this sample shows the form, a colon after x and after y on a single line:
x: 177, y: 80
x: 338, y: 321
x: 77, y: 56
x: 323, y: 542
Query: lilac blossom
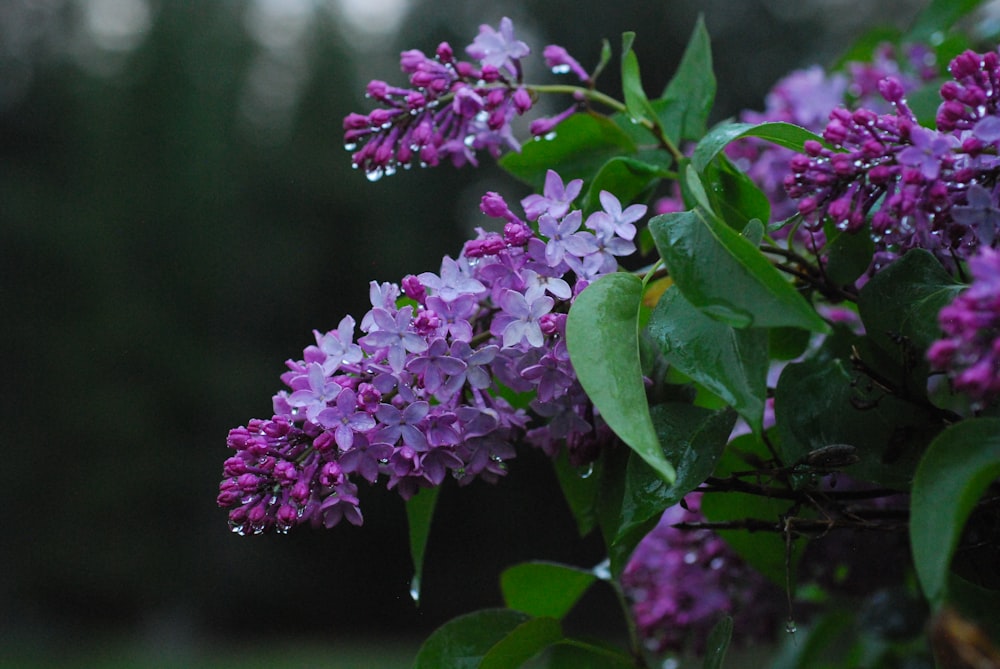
x: 681, y: 581
x: 970, y: 349
x: 451, y: 110
x: 419, y: 396
x: 556, y: 197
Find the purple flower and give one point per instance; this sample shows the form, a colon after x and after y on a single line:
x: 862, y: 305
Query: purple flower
x: 621, y: 223
x: 498, y: 48
x: 519, y: 321
x: 435, y: 365
x: 980, y: 213
x: 565, y: 239
x: 555, y: 200
x: 396, y: 425
x: 395, y: 335
x: 315, y: 398
x: 680, y: 581
x: 345, y: 419
x: 453, y: 282
x: 560, y: 62
x: 926, y: 151
x: 970, y: 350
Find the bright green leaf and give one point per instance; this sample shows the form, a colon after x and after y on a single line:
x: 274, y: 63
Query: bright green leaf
x: 691, y: 92
x: 718, y: 643
x: 625, y: 178
x: 730, y: 362
x: 419, y: 513
x: 524, y: 642
x: 463, y: 642
x: 636, y: 102
x: 581, y: 145
x: 544, y: 589
x: 783, y: 134
x: 603, y: 341
x: 957, y: 468
x: 726, y: 276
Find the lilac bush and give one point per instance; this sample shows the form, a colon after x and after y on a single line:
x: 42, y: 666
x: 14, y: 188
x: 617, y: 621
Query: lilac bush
x: 762, y: 381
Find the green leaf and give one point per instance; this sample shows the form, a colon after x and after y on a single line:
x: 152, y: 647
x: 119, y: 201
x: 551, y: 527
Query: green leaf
x: 718, y: 643
x: 819, y: 402
x: 580, y: 488
x: 938, y: 17
x: 730, y: 362
x: 958, y: 467
x: 604, y: 59
x: 690, y: 93
x: 603, y: 341
x: 694, y: 438
x: 544, y: 589
x: 463, y: 642
x: 577, y: 654
x: 904, y: 299
x: 693, y: 188
x: 735, y: 197
x: 726, y: 276
x: 848, y: 256
x: 787, y: 343
x: 636, y: 102
x: 524, y: 642
x: 783, y: 134
x: 419, y: 513
x: 624, y: 177
x: 583, y: 143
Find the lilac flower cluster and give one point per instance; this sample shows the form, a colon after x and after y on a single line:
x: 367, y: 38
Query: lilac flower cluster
x: 452, y: 109
x: 806, y: 98
x: 912, y: 187
x: 681, y: 581
x: 419, y: 394
x: 970, y: 350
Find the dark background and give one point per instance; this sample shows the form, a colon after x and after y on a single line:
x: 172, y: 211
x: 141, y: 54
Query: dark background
x: 177, y: 214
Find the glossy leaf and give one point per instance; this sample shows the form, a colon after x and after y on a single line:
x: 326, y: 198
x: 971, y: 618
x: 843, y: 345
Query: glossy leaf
x: 938, y: 17
x: 544, y: 589
x: 419, y: 513
x: 735, y: 197
x: 690, y: 94
x: 603, y: 341
x: 726, y: 276
x: 524, y: 642
x: 580, y: 146
x: 577, y: 654
x: 730, y: 362
x: 694, y: 438
x: 783, y: 134
x: 848, y: 256
x: 718, y: 643
x: 580, y: 488
x: 463, y: 642
x: 957, y: 468
x: 625, y: 178
x: 636, y: 101
x: 903, y: 300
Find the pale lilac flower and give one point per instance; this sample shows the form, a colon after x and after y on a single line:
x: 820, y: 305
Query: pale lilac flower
x: 555, y: 200
x: 622, y: 223
x: 498, y: 48
x: 519, y: 321
x: 345, y: 419
x: 453, y: 282
x: 395, y: 335
x: 565, y: 238
x: 315, y: 398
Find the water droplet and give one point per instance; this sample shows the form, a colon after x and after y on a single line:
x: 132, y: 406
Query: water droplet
x: 670, y: 663
x: 415, y: 589
x: 560, y: 69
x: 587, y: 471
x: 602, y: 570
x: 790, y: 626
x: 690, y: 557
x: 238, y: 529
x: 550, y: 136
x: 375, y: 174
x: 350, y: 146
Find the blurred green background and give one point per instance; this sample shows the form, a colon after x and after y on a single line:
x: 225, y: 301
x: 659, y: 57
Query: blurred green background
x: 177, y: 213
